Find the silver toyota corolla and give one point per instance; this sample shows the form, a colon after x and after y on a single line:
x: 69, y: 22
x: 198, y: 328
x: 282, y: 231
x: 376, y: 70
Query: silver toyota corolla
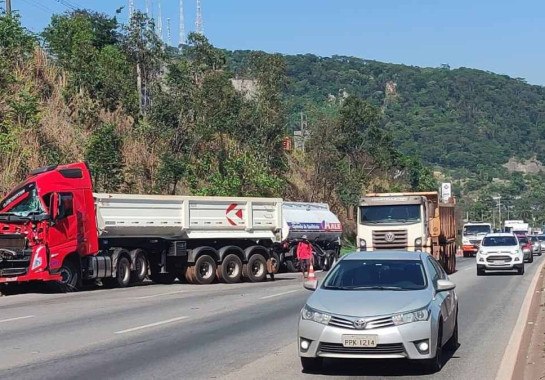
x: 380, y: 305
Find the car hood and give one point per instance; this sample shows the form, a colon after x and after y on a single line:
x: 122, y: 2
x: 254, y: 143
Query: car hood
x: 368, y: 303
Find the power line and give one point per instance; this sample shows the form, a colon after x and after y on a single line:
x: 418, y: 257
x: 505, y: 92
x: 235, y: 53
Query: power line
x: 39, y: 5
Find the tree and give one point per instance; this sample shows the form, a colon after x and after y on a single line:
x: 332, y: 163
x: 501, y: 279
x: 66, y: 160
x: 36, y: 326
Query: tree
x: 104, y: 156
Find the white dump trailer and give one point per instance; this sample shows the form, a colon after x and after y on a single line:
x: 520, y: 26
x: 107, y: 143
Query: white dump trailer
x: 198, y: 239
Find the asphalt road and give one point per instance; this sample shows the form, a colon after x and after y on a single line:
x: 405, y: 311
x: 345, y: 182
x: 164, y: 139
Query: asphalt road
x: 240, y: 331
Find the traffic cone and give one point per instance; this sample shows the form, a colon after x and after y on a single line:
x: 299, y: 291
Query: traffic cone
x: 311, y: 275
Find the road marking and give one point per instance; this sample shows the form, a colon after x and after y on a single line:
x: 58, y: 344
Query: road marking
x: 158, y: 295
x: 279, y: 294
x: 151, y: 325
x: 16, y: 318
x: 470, y: 268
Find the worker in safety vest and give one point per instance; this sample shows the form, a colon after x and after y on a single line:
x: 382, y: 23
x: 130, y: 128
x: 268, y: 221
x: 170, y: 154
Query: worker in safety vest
x: 304, y: 254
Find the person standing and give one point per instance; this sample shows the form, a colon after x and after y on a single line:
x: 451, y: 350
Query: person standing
x: 304, y: 254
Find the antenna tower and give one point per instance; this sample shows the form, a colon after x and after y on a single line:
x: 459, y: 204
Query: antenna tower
x: 169, y: 39
x: 131, y: 8
x: 160, y: 23
x: 181, y: 37
x: 198, y: 20
x: 148, y: 8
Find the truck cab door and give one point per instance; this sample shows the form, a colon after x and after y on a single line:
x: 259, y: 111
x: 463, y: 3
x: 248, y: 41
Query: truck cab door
x: 62, y: 232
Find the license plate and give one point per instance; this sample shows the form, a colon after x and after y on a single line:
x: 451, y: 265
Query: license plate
x: 360, y: 340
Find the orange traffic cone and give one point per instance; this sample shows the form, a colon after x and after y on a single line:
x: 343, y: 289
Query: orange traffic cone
x: 311, y: 275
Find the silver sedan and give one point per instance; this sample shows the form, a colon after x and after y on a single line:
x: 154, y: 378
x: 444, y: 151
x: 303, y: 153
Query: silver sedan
x: 380, y: 305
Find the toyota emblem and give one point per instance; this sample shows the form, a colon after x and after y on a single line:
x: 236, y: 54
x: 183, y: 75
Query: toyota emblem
x: 389, y: 237
x: 360, y: 324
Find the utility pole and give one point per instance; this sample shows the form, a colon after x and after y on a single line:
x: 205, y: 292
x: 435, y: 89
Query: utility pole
x: 8, y: 7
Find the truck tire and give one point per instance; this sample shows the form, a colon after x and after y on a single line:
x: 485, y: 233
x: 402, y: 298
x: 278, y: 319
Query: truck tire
x: 70, y: 276
x: 230, y: 269
x: 256, y: 268
x: 140, y: 271
x: 122, y: 274
x: 205, y: 270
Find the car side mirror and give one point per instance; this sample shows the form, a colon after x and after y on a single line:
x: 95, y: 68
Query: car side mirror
x: 311, y: 285
x: 444, y: 285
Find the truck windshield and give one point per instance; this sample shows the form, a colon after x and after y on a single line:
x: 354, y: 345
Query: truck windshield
x: 476, y: 230
x: 390, y: 214
x: 22, y: 202
x: 499, y: 241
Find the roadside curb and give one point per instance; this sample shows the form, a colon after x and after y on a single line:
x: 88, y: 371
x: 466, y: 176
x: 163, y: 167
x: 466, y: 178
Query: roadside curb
x: 510, y: 355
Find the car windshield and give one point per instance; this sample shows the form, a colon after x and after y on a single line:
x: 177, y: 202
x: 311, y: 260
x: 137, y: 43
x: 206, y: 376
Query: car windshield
x: 476, y: 230
x: 523, y: 240
x: 374, y: 274
x: 497, y: 241
x: 390, y: 214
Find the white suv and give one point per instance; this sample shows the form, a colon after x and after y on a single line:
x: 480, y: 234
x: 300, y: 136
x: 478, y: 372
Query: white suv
x: 500, y: 251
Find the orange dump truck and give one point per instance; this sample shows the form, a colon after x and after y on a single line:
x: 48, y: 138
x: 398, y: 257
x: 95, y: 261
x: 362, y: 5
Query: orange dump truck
x: 417, y: 221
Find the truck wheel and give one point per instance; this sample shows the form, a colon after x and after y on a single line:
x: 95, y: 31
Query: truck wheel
x: 70, y: 276
x: 290, y: 266
x: 273, y: 264
x: 205, y: 270
x: 230, y: 269
x: 140, y: 271
x: 123, y: 273
x: 256, y: 268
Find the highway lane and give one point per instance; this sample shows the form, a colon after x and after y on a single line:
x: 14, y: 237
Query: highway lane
x: 233, y: 331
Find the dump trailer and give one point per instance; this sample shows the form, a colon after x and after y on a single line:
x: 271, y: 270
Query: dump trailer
x: 416, y: 221
x: 54, y: 228
x: 319, y: 225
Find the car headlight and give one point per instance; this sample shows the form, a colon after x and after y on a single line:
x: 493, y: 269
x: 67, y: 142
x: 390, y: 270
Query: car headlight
x: 310, y: 314
x: 413, y: 316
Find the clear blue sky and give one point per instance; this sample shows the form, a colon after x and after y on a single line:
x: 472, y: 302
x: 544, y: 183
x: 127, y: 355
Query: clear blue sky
x: 503, y: 36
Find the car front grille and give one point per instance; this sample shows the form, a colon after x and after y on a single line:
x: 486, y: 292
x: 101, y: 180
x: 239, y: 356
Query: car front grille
x: 475, y: 241
x: 383, y: 239
x: 381, y: 349
x: 498, y: 258
x: 372, y: 323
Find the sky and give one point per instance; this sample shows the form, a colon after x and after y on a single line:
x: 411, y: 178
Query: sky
x: 502, y: 36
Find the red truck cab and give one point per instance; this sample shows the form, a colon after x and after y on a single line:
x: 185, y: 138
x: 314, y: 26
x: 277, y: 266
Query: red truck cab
x: 47, y: 224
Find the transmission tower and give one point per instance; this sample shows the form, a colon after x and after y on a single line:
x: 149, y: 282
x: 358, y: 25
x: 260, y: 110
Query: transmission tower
x: 169, y: 39
x: 160, y: 23
x: 131, y: 8
x: 198, y: 20
x: 181, y: 37
x: 148, y: 8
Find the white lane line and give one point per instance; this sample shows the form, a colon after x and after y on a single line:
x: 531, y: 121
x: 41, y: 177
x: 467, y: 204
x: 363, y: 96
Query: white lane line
x: 470, y: 268
x: 151, y: 325
x: 279, y: 294
x: 158, y: 295
x: 16, y: 319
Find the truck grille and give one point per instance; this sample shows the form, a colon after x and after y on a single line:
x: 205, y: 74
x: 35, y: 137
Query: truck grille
x: 381, y: 349
x: 14, y: 257
x: 390, y: 239
x: 372, y: 323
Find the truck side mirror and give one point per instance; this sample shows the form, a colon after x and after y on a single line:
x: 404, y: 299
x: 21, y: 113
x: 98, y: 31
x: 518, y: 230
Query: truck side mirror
x: 54, y: 207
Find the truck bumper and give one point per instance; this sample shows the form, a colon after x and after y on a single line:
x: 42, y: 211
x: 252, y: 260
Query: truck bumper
x: 40, y: 276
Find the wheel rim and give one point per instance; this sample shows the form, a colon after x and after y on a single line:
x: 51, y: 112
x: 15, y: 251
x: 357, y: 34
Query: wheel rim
x: 123, y: 273
x: 140, y: 267
x: 232, y: 268
x: 66, y: 275
x: 205, y: 270
x: 257, y: 268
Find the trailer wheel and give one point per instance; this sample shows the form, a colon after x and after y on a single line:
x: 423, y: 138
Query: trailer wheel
x: 230, y: 269
x: 256, y: 268
x: 205, y: 270
x: 70, y: 276
x: 140, y: 271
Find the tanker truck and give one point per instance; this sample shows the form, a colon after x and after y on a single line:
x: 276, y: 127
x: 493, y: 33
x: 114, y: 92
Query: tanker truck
x: 316, y: 223
x: 410, y: 222
x: 53, y: 228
